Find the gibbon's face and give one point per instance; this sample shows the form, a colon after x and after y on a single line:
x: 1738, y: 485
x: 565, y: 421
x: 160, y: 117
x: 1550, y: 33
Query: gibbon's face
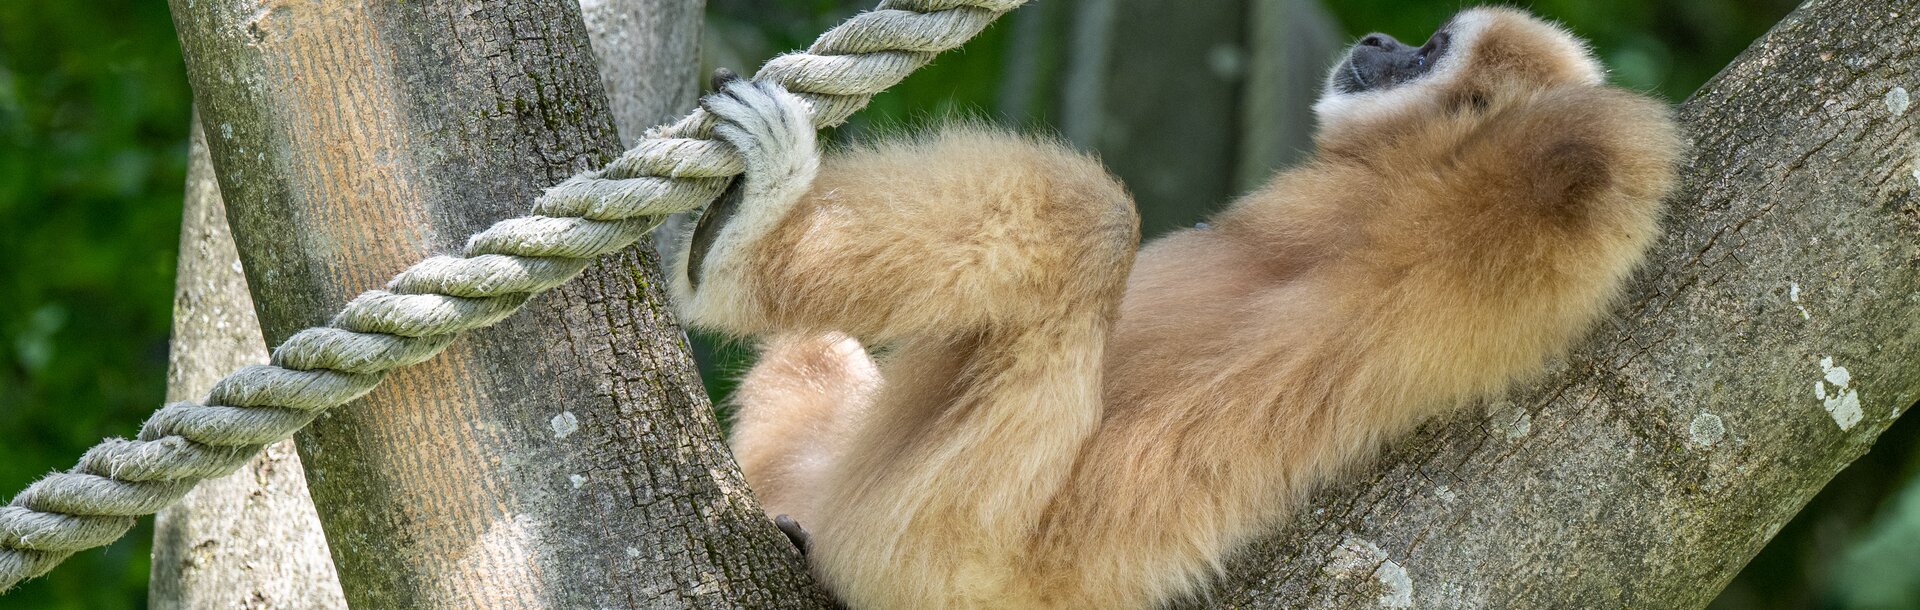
x: 1481, y: 56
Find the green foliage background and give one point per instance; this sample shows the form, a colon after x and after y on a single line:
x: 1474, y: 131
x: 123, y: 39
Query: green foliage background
x: 93, y: 127
x: 93, y: 139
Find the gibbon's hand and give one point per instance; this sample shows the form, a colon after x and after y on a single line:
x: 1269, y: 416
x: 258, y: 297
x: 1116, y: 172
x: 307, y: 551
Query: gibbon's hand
x: 773, y: 130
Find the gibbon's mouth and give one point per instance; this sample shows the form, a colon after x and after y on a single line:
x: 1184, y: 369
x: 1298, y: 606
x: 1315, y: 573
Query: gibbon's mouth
x: 1380, y: 62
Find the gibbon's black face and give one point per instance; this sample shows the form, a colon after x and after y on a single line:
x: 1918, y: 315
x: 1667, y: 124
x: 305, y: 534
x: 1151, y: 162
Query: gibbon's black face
x: 1379, y: 62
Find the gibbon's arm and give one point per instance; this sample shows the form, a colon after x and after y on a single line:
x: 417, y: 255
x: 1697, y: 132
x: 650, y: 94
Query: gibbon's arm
x: 963, y: 229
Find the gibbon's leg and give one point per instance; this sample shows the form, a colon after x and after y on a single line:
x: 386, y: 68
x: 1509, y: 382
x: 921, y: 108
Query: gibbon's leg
x: 990, y: 265
x: 792, y: 412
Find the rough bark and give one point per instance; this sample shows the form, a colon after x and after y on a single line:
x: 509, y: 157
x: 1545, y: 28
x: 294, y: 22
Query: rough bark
x: 566, y: 458
x: 250, y: 539
x: 1768, y: 342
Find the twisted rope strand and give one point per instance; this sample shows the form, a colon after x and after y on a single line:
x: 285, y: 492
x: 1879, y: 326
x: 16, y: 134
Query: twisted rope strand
x: 676, y: 168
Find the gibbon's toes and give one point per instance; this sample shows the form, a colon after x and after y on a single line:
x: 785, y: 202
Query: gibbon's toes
x: 801, y: 540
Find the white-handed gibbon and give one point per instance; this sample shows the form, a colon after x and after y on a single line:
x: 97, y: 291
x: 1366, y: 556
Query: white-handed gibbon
x: 1058, y: 422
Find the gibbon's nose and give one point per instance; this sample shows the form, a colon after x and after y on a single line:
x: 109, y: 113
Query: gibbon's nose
x: 1380, y: 41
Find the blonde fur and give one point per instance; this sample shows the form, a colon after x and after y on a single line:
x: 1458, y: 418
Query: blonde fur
x: 1053, y: 426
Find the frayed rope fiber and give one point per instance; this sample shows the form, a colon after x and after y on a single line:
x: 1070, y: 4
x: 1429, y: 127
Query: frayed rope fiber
x: 677, y: 167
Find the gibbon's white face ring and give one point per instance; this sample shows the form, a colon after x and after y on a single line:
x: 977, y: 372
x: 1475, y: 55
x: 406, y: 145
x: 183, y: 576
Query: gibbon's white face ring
x: 1379, y: 74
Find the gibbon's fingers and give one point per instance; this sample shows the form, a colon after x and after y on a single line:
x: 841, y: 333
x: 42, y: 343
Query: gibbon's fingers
x: 795, y: 534
x: 773, y: 132
x: 721, y: 76
x: 762, y: 109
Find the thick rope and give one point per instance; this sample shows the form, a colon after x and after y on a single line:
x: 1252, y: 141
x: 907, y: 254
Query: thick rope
x: 676, y: 168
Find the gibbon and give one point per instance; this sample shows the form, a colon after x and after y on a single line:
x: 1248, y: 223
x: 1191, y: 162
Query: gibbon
x: 1056, y: 421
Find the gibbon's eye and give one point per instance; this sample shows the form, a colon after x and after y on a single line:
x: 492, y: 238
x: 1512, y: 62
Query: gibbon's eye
x: 1378, y: 61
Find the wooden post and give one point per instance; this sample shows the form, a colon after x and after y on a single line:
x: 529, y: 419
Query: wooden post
x: 1154, y: 86
x: 648, y: 52
x: 566, y: 458
x: 1290, y: 46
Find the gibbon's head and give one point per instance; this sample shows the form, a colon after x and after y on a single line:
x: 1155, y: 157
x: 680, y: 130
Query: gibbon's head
x: 1480, y: 57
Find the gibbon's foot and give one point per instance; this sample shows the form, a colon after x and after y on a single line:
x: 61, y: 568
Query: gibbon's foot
x: 798, y: 535
x: 773, y: 130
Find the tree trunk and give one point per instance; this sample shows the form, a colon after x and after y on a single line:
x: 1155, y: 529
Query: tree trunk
x: 648, y: 52
x: 565, y: 458
x: 1770, y: 339
x: 253, y: 538
x: 250, y: 539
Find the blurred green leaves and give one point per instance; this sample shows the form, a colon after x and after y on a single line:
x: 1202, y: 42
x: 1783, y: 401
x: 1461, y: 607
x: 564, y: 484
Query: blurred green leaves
x: 93, y: 119
x: 1882, y: 571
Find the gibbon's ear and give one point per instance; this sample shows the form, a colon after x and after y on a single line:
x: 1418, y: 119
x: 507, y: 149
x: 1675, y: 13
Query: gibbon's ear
x: 1575, y: 152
